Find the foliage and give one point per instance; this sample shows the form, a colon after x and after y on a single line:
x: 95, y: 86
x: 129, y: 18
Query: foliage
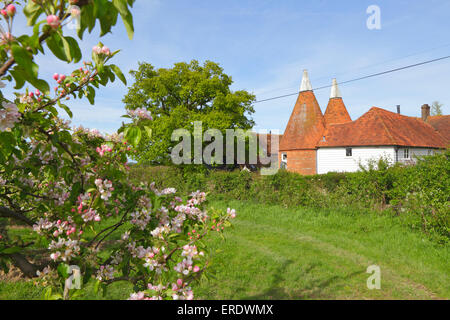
x: 179, y: 96
x: 436, y: 109
x: 72, y: 185
x: 420, y: 192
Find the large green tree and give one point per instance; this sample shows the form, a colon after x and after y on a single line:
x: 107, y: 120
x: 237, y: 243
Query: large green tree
x: 179, y: 96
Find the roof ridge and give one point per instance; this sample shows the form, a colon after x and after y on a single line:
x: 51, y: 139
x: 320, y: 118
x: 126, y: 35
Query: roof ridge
x: 380, y: 127
x: 385, y: 127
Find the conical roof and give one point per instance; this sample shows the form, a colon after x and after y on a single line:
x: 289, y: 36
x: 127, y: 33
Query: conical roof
x: 336, y: 111
x: 306, y: 124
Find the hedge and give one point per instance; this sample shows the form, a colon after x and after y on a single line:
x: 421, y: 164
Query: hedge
x: 421, y: 192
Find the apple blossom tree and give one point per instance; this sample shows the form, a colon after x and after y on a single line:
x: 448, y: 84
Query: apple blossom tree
x: 68, y: 188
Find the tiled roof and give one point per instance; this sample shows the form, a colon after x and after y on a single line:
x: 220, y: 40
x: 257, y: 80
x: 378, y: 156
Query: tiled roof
x: 336, y: 112
x: 442, y: 125
x: 306, y: 125
x: 379, y: 127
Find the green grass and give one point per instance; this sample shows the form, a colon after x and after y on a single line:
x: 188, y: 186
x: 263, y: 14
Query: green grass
x: 276, y: 253
x: 26, y: 290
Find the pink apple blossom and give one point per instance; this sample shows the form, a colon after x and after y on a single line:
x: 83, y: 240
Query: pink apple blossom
x: 11, y: 10
x: 9, y: 116
x: 53, y: 21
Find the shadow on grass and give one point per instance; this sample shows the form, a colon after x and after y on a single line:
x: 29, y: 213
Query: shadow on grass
x: 315, y: 290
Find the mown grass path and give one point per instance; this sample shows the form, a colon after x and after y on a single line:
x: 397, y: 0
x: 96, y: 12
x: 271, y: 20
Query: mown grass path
x: 276, y: 253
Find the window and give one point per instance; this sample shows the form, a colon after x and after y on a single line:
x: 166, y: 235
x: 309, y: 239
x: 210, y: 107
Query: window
x: 405, y: 153
x: 348, y: 152
x: 283, y: 161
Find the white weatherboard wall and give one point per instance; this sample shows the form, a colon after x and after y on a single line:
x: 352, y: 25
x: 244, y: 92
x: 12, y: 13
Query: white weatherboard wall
x: 335, y: 159
x: 414, y: 153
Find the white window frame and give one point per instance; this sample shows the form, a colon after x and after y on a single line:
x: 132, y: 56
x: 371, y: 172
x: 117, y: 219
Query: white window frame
x: 406, y: 153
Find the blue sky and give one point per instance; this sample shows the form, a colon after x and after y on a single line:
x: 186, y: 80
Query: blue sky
x: 265, y: 44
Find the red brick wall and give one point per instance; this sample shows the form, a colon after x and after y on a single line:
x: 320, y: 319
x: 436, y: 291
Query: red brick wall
x: 301, y: 161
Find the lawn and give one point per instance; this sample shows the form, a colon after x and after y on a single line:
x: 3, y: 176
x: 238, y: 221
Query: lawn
x: 277, y: 253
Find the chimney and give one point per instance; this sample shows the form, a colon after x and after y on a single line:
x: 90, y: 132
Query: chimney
x: 425, y: 112
x: 398, y: 109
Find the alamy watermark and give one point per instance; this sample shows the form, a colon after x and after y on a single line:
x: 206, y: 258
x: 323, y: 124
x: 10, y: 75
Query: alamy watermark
x: 374, y: 281
x: 374, y: 20
x: 241, y: 147
x: 74, y: 21
x: 74, y: 280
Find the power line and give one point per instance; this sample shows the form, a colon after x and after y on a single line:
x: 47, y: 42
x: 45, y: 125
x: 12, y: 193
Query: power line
x: 361, y: 78
x: 389, y: 60
x: 341, y: 73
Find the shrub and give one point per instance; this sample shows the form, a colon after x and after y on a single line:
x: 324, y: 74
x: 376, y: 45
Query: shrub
x: 420, y: 192
x: 424, y: 191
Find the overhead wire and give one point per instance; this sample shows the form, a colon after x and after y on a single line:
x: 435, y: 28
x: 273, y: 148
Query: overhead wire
x: 360, y: 78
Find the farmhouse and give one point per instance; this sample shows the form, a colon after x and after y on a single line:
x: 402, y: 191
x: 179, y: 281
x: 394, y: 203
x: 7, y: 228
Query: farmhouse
x: 317, y: 143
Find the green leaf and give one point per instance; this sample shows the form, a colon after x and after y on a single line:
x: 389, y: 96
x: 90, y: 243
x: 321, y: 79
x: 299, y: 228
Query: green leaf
x: 32, y: 11
x: 18, y: 77
x: 75, y: 51
x: 107, y: 14
x: 56, y: 45
x: 10, y: 250
x: 127, y: 18
x: 134, y: 135
x: 41, y: 85
x: 118, y: 73
x: 90, y: 95
x: 87, y: 19
x: 66, y: 108
x: 97, y: 286
x: 24, y: 59
x: 148, y: 130
x: 66, y: 47
x: 53, y: 111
